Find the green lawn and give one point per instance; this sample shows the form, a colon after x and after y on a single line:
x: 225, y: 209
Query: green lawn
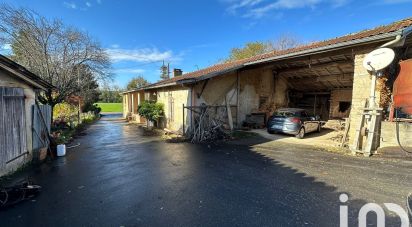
x: 111, y: 107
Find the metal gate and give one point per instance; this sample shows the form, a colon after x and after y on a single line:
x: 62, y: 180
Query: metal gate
x: 13, y: 141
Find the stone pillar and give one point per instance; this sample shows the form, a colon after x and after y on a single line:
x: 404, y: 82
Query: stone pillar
x: 361, y: 91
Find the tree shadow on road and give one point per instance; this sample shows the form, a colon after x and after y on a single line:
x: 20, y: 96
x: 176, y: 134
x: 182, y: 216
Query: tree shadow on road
x: 118, y: 177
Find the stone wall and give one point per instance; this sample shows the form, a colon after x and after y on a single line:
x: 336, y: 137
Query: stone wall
x: 337, y: 96
x: 361, y: 92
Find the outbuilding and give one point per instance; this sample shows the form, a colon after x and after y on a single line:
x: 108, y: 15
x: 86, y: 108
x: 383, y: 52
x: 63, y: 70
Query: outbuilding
x: 326, y: 78
x: 24, y: 125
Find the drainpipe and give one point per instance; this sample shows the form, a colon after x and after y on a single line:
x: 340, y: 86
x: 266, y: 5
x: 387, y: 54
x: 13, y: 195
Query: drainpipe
x: 395, y: 41
x: 399, y: 38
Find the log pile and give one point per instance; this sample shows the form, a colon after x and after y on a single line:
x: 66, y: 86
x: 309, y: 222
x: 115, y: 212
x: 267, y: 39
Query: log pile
x: 207, y: 127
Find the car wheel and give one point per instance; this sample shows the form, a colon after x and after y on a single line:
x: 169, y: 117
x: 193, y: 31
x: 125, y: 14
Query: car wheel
x: 319, y: 128
x: 301, y: 133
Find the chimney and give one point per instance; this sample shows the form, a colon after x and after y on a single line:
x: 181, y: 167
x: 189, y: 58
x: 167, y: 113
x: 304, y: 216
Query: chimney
x: 177, y: 72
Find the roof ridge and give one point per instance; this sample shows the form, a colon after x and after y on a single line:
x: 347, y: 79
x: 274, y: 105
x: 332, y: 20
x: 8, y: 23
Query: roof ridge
x: 388, y: 28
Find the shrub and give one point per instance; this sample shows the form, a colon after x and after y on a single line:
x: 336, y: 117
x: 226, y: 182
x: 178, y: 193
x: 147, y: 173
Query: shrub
x: 92, y: 108
x: 65, y: 112
x: 150, y: 110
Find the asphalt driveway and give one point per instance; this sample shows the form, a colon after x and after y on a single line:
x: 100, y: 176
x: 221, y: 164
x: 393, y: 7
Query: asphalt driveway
x: 118, y: 177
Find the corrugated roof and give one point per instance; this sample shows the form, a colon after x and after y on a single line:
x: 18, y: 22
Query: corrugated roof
x: 385, y: 29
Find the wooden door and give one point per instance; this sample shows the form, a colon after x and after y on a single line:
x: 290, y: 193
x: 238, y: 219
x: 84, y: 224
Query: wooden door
x: 13, y: 141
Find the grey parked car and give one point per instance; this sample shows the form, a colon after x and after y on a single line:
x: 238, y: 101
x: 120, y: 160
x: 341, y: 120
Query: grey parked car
x: 293, y: 121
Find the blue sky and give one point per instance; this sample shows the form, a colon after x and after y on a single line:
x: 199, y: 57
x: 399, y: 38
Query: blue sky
x: 139, y: 34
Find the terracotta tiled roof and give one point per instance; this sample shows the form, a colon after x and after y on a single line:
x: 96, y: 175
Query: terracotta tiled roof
x: 395, y: 26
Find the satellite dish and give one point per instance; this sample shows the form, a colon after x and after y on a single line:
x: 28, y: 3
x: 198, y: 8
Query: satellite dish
x: 378, y: 59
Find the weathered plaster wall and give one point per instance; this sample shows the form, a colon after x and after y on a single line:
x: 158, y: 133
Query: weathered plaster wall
x: 174, y: 110
x: 281, y: 89
x: 8, y: 81
x: 256, y: 85
x: 216, y: 90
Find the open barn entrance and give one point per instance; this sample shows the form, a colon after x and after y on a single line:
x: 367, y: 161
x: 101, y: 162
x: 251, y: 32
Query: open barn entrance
x: 322, y: 86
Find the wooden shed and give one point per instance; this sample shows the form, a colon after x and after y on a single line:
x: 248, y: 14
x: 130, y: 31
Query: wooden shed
x: 24, y: 125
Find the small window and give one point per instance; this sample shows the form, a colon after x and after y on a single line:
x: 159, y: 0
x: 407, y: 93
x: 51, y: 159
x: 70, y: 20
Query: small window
x: 344, y: 106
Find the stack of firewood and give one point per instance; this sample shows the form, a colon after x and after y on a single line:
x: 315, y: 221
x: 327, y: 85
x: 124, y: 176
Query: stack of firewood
x: 207, y: 127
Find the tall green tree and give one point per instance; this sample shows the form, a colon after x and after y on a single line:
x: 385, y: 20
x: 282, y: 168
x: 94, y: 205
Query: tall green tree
x: 251, y: 49
x: 110, y: 94
x: 137, y: 82
x: 248, y: 50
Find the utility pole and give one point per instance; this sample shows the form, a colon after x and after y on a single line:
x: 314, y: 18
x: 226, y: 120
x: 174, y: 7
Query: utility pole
x: 168, y: 70
x: 164, y: 71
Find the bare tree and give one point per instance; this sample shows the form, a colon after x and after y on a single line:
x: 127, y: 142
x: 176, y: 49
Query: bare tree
x: 57, y: 53
x: 283, y: 42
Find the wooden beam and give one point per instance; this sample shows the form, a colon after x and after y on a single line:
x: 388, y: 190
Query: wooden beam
x: 315, y: 74
x: 315, y: 66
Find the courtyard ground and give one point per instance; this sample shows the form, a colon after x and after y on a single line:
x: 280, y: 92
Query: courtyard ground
x: 118, y: 177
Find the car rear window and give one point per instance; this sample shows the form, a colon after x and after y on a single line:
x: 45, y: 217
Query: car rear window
x: 285, y: 114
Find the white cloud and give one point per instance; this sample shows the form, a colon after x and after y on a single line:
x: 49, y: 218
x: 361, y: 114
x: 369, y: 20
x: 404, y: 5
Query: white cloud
x: 144, y: 55
x: 5, y: 49
x: 129, y: 70
x: 70, y: 5
x: 241, y: 4
x: 260, y: 8
x: 88, y: 4
x: 6, y: 46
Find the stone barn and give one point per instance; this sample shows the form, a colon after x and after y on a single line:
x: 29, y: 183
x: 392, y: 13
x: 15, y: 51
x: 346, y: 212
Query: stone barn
x: 325, y: 78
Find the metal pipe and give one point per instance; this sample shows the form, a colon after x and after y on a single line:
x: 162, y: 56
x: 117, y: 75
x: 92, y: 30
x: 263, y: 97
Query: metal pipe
x: 373, y: 91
